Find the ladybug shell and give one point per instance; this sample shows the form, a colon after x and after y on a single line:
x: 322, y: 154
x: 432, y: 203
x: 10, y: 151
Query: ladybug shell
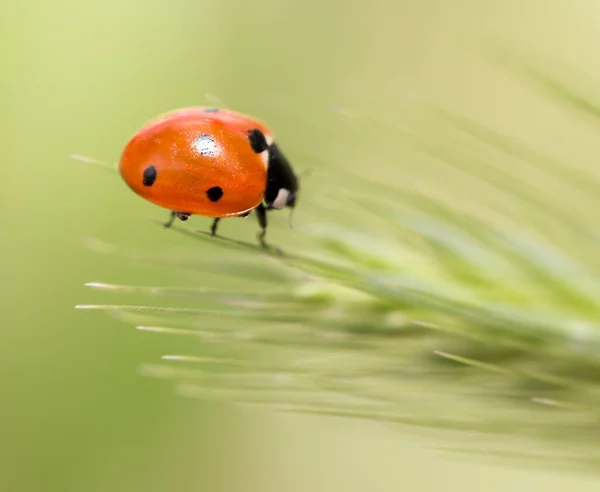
x: 197, y: 161
x: 231, y: 119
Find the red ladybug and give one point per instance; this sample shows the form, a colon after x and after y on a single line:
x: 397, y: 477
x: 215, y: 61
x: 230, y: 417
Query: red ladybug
x: 210, y: 162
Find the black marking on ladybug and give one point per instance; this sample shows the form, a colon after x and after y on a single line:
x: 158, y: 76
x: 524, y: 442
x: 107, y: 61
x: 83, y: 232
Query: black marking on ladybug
x: 211, y: 110
x: 214, y: 194
x: 149, y: 176
x: 258, y: 142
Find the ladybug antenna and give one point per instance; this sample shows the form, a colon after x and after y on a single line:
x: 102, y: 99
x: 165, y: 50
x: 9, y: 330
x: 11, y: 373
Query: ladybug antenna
x: 90, y: 160
x: 302, y: 175
x: 290, y: 224
x: 305, y: 173
x: 214, y: 100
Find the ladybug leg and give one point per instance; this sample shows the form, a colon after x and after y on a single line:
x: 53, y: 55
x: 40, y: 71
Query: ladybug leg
x: 169, y: 222
x: 261, y: 214
x: 213, y: 227
x: 180, y: 215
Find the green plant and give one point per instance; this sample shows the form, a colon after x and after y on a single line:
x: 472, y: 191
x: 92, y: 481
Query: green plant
x: 474, y: 314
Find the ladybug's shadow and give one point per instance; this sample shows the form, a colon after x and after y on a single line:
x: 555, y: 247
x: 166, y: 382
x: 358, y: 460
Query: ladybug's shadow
x: 208, y: 237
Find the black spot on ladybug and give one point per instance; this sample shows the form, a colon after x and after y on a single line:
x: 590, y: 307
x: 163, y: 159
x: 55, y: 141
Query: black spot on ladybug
x: 258, y: 142
x: 214, y: 194
x: 211, y: 110
x: 149, y: 176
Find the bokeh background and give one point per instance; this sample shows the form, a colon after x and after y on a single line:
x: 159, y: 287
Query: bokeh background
x: 81, y: 77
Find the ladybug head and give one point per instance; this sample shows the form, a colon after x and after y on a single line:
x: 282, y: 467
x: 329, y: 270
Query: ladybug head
x: 282, y: 182
x: 284, y: 198
x: 292, y: 197
x: 291, y: 201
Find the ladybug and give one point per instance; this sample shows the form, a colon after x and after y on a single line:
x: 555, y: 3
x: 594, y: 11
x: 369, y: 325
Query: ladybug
x: 210, y: 162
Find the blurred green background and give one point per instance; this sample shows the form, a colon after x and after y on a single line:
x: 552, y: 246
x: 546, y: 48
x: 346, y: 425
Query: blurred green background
x: 81, y: 77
